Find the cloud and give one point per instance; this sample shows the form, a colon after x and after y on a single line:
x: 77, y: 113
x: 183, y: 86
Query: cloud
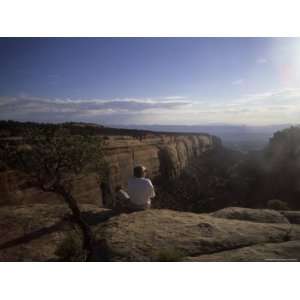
x: 269, y: 107
x: 261, y: 61
x: 238, y: 82
x: 174, y: 98
x: 35, y: 108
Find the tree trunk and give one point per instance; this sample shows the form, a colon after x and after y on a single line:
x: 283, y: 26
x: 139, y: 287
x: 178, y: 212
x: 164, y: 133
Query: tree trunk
x: 88, y: 237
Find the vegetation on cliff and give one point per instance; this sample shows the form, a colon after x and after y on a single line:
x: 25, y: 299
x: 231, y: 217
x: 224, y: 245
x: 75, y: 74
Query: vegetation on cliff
x: 16, y: 129
x: 51, y: 158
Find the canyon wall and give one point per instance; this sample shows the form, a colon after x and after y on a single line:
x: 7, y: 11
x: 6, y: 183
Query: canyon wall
x: 162, y: 154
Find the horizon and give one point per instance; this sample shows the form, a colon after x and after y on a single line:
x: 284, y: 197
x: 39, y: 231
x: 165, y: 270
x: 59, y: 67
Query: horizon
x: 157, y: 124
x: 151, y: 81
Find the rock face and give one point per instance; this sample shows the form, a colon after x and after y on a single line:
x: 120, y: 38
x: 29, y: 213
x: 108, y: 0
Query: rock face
x: 162, y: 154
x: 33, y: 233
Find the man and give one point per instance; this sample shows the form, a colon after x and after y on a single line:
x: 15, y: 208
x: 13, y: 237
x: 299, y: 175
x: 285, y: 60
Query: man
x: 140, y: 189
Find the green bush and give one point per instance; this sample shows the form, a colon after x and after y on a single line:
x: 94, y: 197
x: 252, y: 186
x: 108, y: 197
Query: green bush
x: 169, y: 255
x: 277, y: 204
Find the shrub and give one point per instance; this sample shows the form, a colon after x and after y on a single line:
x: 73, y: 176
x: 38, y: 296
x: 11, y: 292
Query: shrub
x: 277, y: 204
x: 169, y: 255
x: 70, y: 248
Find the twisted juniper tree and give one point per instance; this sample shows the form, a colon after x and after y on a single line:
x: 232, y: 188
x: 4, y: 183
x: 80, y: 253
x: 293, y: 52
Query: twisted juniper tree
x: 52, y: 159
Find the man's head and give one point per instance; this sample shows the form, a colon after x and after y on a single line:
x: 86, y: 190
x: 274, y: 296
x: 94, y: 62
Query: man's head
x: 118, y: 188
x: 139, y: 171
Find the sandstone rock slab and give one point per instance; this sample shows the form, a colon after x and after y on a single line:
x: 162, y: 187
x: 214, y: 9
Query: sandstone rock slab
x: 33, y: 232
x: 268, y: 252
x: 292, y: 216
x: 250, y: 214
x: 144, y: 236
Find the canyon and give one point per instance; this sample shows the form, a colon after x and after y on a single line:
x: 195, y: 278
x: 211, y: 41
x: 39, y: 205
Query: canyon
x: 163, y: 155
x: 37, y: 226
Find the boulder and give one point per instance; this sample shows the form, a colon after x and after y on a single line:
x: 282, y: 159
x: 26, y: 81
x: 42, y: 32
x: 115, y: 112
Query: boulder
x: 250, y: 214
x: 152, y: 234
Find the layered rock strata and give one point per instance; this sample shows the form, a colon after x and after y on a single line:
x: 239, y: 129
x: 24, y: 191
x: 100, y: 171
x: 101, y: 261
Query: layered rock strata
x: 162, y: 154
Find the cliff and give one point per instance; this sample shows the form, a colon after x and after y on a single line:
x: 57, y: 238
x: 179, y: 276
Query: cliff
x: 165, y: 155
x: 162, y: 154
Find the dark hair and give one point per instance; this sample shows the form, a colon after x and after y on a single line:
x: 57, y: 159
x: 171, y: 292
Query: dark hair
x: 118, y: 187
x: 138, y: 171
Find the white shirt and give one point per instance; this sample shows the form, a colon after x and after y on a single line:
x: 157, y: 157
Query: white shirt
x: 140, y: 191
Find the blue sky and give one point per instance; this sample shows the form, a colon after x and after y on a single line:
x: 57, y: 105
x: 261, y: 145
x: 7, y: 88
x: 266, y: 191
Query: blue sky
x: 252, y: 81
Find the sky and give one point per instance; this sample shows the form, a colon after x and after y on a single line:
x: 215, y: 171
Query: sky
x: 122, y: 81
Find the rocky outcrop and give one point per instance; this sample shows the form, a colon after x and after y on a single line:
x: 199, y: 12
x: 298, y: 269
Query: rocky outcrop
x: 285, y: 251
x: 34, y: 232
x: 292, y: 216
x: 162, y: 154
x: 146, y: 236
x: 249, y: 214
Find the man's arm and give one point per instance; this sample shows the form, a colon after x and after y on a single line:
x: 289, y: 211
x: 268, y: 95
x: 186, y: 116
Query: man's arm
x: 151, y: 189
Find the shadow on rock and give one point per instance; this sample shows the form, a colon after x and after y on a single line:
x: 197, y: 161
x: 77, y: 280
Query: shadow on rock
x: 93, y: 218
x: 32, y: 235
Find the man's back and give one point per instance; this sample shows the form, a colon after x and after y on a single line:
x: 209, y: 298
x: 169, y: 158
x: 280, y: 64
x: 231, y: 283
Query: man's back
x: 140, y: 191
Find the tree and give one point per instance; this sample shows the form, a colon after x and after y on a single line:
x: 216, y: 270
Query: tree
x: 52, y: 159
